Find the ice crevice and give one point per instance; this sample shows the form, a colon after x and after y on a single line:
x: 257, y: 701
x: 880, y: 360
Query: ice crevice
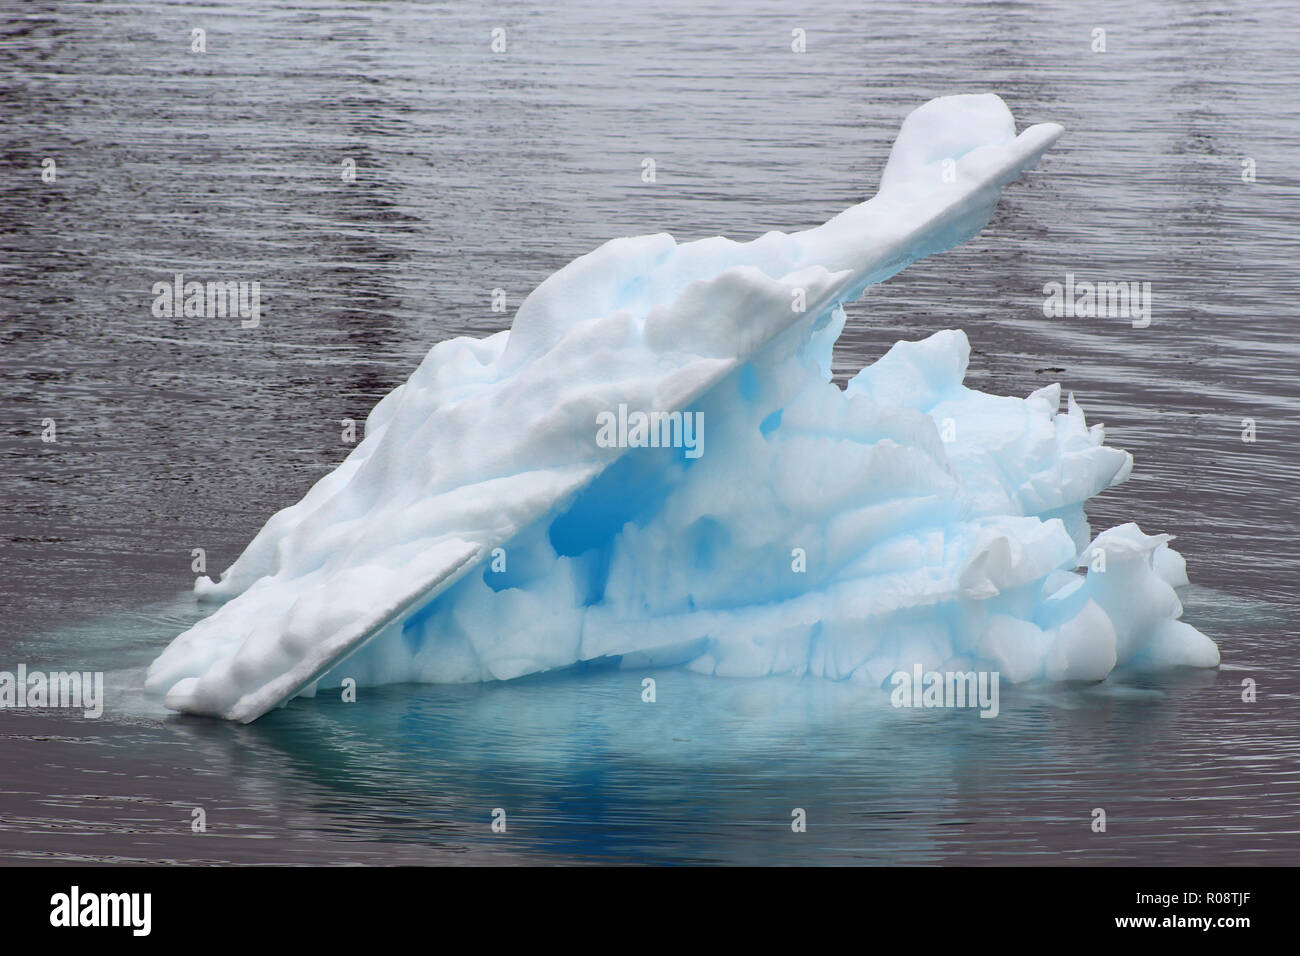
x: 481, y: 532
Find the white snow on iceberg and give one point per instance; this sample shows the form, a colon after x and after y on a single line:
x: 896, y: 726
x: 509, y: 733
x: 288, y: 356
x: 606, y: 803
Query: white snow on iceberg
x: 481, y: 531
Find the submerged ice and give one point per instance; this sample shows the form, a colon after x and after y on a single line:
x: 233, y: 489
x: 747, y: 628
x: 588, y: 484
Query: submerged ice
x: 508, y: 513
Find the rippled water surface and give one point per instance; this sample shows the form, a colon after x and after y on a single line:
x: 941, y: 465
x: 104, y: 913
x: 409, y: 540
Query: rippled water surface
x: 478, y: 171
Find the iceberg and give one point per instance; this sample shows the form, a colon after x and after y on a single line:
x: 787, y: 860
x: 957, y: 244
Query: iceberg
x: 652, y: 467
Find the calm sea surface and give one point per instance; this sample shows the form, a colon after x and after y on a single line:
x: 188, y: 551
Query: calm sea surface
x: 477, y: 170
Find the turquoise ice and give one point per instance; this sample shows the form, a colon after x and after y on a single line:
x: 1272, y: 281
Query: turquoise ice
x: 480, y: 531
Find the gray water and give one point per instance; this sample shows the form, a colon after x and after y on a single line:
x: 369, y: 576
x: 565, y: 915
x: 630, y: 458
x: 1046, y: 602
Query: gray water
x: 478, y: 170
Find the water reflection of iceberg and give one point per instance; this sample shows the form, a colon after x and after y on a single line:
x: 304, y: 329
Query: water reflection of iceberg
x: 481, y: 531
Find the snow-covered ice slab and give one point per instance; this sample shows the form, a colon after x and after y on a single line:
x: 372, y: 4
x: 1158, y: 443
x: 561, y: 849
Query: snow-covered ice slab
x: 934, y: 524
